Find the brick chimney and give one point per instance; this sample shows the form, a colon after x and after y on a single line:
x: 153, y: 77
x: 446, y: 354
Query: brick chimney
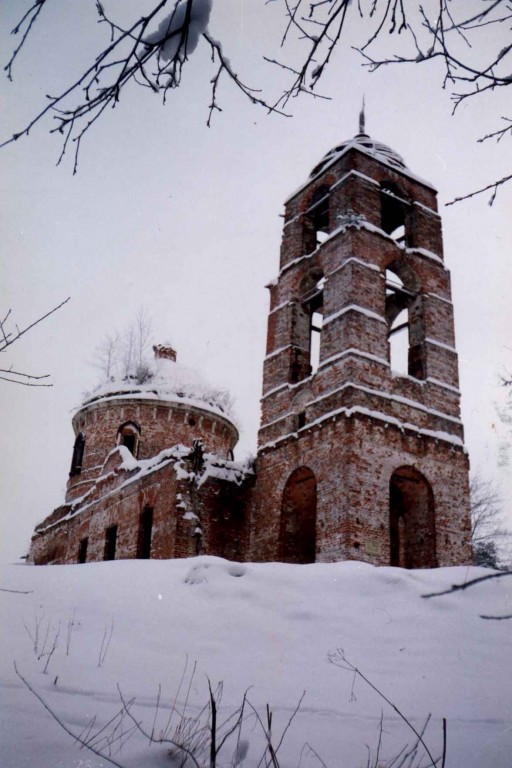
x: 164, y: 352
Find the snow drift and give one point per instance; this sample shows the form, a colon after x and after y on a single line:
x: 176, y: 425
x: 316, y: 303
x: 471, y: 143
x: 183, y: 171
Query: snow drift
x: 142, y: 625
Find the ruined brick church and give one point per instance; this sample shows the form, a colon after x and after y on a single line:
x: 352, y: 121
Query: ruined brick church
x: 360, y: 448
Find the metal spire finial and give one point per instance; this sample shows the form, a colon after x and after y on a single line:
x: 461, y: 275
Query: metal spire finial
x: 362, y: 119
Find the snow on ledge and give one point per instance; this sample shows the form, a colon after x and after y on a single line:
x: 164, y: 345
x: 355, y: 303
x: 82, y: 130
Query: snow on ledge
x: 164, y: 380
x: 354, y: 308
x: 385, y: 418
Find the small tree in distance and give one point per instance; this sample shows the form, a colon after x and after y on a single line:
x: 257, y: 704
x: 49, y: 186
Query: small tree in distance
x: 125, y: 355
x: 490, y: 537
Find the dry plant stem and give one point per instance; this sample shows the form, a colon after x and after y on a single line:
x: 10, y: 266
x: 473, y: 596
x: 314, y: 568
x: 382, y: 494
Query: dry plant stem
x: 339, y: 659
x: 52, y: 650
x: 214, y: 746
x: 267, y: 729
x: 62, y: 724
x: 41, y: 654
x: 71, y: 624
x: 313, y: 752
x: 167, y: 728
x: 167, y: 740
x: 105, y: 643
x: 444, y: 743
x: 35, y: 636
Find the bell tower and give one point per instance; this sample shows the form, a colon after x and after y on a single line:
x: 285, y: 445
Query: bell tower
x: 361, y: 452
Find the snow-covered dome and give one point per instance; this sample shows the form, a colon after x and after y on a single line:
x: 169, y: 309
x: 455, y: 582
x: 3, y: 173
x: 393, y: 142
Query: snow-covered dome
x: 367, y: 144
x: 165, y: 379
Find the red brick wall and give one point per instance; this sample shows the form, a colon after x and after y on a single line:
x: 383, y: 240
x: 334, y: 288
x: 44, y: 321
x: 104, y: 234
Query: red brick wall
x: 181, y: 508
x: 397, y: 420
x: 163, y: 424
x: 353, y: 460
x: 352, y: 426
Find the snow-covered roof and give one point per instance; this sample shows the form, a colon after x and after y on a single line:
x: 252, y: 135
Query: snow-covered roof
x: 165, y: 379
x: 372, y: 147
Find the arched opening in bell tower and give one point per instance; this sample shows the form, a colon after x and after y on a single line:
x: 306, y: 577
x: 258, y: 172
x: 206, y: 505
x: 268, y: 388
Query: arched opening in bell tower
x: 406, y: 327
x: 412, y: 533
x: 297, y: 530
x: 308, y: 326
x: 394, y: 211
x: 397, y: 314
x: 316, y: 219
x: 315, y: 307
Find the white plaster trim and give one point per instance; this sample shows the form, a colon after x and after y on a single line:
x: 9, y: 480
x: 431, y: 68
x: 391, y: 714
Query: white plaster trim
x: 425, y: 252
x: 278, y: 351
x: 354, y: 308
x: 439, y: 298
x: 274, y: 390
x: 440, y: 344
x: 388, y: 396
x: 443, y: 384
x: 402, y: 426
x: 355, y: 260
x: 354, y: 173
x: 275, y: 421
x: 353, y: 352
x: 280, y: 306
x: 426, y: 208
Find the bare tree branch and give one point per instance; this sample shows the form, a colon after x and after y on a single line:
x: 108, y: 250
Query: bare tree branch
x: 153, y: 50
x: 9, y: 335
x: 26, y: 383
x: 470, y: 583
x: 84, y: 742
x: 136, y: 53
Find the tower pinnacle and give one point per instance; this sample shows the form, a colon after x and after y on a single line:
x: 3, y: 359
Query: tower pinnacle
x: 362, y: 119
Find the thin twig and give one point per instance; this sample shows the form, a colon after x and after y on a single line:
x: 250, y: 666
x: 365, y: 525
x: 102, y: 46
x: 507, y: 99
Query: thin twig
x: 62, y: 724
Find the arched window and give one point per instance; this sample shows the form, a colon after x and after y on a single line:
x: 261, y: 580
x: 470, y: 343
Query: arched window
x: 308, y: 327
x: 78, y: 455
x: 297, y: 532
x: 412, y: 530
x: 394, y: 211
x: 315, y: 308
x: 397, y: 313
x: 316, y: 219
x: 404, y: 315
x: 128, y: 435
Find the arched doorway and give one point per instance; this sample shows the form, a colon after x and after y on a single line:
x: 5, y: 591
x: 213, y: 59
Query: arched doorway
x: 411, y: 520
x: 297, y: 534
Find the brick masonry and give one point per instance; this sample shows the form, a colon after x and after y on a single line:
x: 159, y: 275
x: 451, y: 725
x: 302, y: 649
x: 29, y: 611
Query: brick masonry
x: 355, y: 460
x: 386, y: 450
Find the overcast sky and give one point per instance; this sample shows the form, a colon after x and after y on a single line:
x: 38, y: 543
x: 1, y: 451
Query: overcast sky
x: 184, y: 220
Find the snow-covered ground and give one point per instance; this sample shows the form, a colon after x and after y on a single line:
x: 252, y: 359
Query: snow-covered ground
x: 264, y: 627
